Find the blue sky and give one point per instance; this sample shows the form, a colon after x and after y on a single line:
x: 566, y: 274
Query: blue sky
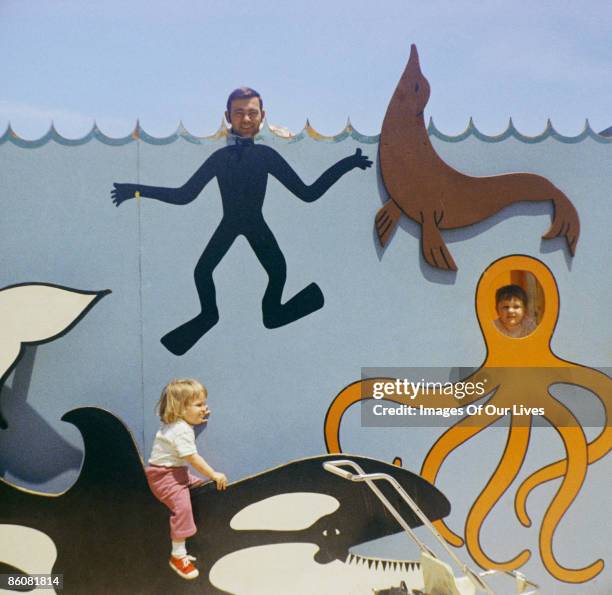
x: 76, y: 61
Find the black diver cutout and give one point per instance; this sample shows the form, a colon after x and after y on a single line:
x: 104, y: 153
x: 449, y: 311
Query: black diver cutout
x: 242, y: 169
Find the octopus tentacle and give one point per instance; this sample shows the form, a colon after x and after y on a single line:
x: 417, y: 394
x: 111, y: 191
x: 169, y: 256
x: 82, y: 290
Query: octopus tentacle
x: 599, y: 384
x: 507, y: 470
x: 362, y: 389
x: 575, y: 445
x: 596, y: 450
x: 454, y: 437
x: 347, y: 397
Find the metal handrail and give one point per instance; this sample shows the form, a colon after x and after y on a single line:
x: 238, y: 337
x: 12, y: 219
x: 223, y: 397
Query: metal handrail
x: 335, y: 467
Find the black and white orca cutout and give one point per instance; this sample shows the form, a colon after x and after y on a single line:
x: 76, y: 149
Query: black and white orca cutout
x: 288, y: 530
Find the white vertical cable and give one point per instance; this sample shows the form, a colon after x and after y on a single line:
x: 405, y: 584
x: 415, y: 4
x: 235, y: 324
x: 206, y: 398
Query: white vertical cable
x: 140, y: 282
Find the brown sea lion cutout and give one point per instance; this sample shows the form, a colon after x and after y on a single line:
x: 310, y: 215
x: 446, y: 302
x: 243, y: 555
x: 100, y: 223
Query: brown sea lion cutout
x: 423, y: 187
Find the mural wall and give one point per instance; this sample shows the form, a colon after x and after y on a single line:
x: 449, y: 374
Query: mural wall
x: 356, y: 305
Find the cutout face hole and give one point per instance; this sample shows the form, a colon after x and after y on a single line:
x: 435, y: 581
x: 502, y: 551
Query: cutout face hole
x: 518, y: 303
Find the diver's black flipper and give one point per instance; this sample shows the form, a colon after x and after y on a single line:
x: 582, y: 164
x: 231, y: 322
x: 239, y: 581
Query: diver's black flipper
x: 302, y: 304
x: 183, y: 338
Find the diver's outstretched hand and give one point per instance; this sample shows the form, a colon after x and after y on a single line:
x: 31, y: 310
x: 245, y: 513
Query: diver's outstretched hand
x: 123, y: 192
x: 359, y: 160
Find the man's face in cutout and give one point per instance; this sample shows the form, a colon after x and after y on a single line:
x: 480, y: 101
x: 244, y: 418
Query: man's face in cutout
x: 511, y: 312
x: 245, y: 116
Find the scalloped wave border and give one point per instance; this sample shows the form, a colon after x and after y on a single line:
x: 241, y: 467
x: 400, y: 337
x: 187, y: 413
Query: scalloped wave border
x: 267, y: 132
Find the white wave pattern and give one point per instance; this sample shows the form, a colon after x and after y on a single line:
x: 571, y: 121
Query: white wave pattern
x: 271, y: 131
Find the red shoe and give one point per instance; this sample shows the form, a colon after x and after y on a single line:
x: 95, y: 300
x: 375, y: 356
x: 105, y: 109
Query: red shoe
x: 184, y: 568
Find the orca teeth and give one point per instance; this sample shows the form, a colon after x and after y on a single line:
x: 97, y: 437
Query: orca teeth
x: 380, y: 565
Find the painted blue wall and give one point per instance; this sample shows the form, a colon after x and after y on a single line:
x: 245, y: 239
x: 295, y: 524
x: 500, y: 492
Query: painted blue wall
x: 269, y: 389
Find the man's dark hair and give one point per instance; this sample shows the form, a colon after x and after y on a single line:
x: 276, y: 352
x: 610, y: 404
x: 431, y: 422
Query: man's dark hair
x: 510, y: 291
x: 243, y: 93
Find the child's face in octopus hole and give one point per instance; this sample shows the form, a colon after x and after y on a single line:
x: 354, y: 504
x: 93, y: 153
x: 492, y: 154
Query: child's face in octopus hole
x: 511, y: 312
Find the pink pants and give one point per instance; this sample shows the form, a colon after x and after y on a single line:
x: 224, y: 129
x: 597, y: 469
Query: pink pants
x: 171, y: 486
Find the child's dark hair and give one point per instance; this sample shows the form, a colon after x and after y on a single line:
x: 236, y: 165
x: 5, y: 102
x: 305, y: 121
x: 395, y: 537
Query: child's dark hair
x: 511, y: 291
x: 243, y: 93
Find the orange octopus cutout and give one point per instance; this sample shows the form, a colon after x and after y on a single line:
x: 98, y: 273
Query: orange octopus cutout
x: 518, y: 395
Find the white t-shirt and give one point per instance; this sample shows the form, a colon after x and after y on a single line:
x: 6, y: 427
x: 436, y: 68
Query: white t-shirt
x: 173, y: 442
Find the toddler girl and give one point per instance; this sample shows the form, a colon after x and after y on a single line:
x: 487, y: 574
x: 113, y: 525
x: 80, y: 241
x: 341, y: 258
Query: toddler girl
x: 182, y: 405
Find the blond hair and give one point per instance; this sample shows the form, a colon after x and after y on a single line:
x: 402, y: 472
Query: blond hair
x: 178, y: 394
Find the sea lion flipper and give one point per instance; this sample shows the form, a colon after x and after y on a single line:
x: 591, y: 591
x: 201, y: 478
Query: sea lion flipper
x: 386, y: 221
x: 565, y: 222
x: 434, y: 249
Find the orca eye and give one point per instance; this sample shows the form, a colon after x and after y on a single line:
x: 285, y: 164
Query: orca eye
x: 325, y: 532
x: 416, y: 88
x: 337, y: 531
